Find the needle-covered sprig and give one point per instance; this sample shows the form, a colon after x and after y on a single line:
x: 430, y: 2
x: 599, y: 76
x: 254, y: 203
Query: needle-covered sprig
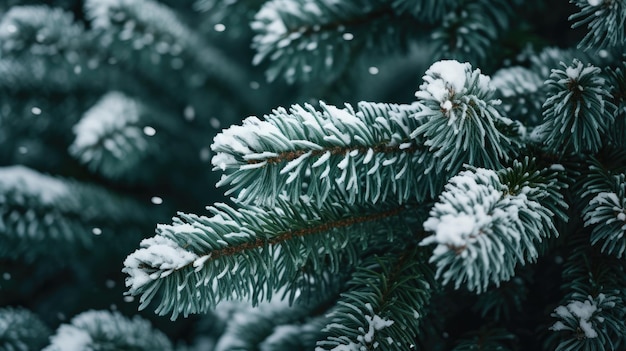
x: 606, y: 214
x: 488, y: 222
x: 459, y: 120
x: 365, y: 154
x: 578, y: 110
x: 589, y: 323
x: 199, y: 261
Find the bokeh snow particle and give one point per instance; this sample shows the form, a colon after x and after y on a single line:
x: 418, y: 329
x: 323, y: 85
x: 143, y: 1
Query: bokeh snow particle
x: 189, y: 113
x: 149, y: 131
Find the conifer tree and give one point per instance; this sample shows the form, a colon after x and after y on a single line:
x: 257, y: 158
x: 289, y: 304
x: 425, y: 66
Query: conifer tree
x: 358, y: 206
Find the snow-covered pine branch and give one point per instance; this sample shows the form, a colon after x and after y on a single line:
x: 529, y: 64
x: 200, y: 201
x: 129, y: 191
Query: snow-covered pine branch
x: 606, y: 214
x: 459, y: 121
x: 251, y: 252
x: 488, y: 222
x: 373, y: 153
x: 364, y: 154
x: 592, y: 311
x: 589, y: 323
x: 578, y: 110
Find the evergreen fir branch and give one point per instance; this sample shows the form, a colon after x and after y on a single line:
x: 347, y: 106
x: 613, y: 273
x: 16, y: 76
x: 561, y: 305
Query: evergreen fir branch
x: 383, y: 307
x: 64, y: 214
x: 540, y: 185
x: 322, y: 38
x: 146, y: 38
x: 461, y: 124
x: 104, y: 330
x: 578, y: 109
x: 486, y: 339
x: 592, y: 313
x: 590, y: 323
x: 366, y: 154
x: 427, y: 11
x: 606, y: 213
x: 249, y: 253
x: 605, y: 21
x: 469, y: 32
x: 21, y: 330
x: 522, y: 93
x: 484, y: 226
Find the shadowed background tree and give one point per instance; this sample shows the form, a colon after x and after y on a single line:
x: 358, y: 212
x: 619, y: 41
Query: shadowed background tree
x: 391, y: 175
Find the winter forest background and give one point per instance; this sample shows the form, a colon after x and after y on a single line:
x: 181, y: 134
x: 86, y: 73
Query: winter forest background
x: 470, y: 196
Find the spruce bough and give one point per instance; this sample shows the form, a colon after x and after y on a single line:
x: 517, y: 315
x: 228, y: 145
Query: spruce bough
x: 341, y: 191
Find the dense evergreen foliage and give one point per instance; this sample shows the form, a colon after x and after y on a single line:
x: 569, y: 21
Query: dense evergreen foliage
x: 391, y: 175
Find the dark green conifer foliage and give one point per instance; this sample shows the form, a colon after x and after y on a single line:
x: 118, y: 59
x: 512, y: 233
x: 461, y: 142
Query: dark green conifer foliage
x: 391, y: 175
